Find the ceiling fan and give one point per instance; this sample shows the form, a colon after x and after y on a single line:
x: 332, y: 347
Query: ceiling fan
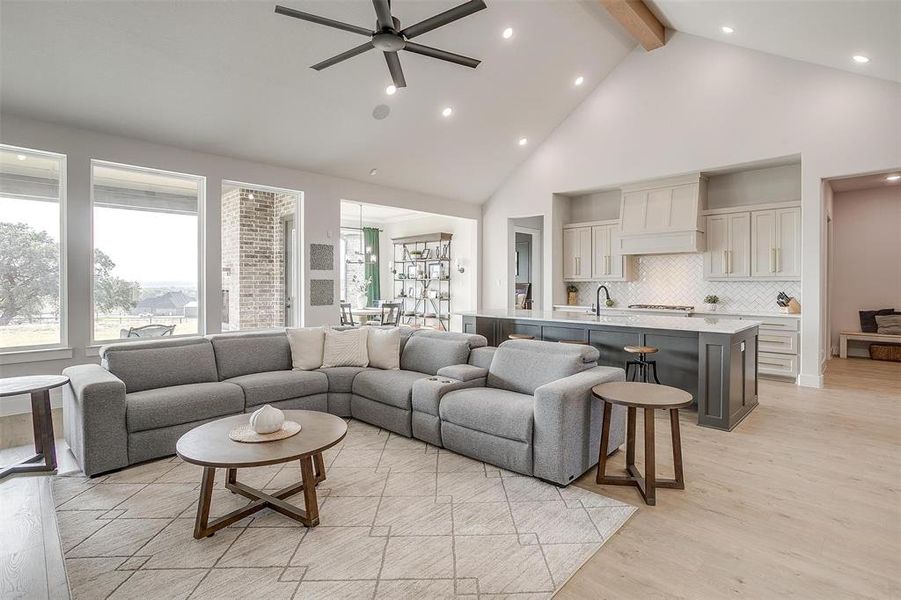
x: 390, y: 38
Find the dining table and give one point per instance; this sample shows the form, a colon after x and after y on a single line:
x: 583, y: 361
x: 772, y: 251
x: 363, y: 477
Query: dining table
x: 366, y: 313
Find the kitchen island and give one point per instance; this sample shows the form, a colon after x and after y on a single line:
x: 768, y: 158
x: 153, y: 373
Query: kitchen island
x: 713, y: 359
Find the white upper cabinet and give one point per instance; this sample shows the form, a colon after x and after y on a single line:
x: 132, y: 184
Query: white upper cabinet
x: 663, y: 217
x: 728, y: 246
x: 754, y: 244
x: 776, y: 243
x: 607, y: 264
x: 577, y: 253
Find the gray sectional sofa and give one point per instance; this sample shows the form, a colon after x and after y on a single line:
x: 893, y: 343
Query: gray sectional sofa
x: 524, y: 406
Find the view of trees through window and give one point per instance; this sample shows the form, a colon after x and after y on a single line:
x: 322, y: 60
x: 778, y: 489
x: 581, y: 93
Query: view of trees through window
x: 146, y: 265
x: 30, y: 199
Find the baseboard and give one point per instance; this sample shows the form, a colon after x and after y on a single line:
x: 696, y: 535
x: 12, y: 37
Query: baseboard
x: 812, y: 381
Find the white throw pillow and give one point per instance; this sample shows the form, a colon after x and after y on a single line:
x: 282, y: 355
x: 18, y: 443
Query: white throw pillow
x: 345, y: 348
x: 306, y: 347
x: 384, y: 347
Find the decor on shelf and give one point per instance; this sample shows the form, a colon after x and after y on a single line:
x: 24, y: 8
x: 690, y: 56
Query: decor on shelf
x: 710, y: 302
x: 390, y: 39
x: 424, y: 289
x: 459, y: 265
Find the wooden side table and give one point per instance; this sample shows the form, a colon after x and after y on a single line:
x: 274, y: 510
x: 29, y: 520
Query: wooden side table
x: 649, y: 397
x: 39, y: 386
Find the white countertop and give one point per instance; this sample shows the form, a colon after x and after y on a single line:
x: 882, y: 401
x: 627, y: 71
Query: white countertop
x: 644, y: 321
x: 571, y: 308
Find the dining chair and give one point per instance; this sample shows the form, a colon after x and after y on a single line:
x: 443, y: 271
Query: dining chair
x: 390, y: 314
x: 347, y: 317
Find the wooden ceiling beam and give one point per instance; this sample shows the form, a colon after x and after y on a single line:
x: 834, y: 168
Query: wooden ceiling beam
x: 639, y: 21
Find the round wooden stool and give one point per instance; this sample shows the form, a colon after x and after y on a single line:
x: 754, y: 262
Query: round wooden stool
x: 520, y: 336
x: 649, y: 397
x: 643, y: 366
x: 579, y: 342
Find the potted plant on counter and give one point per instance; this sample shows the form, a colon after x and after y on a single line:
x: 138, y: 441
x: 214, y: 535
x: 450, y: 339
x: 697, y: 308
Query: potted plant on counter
x: 710, y: 302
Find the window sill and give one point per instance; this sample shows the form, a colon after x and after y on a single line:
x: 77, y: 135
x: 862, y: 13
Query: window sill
x: 13, y: 357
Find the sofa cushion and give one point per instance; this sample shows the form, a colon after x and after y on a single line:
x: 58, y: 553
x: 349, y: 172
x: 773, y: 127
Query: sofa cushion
x: 175, y: 405
x: 393, y: 387
x: 497, y: 412
x: 427, y: 353
x: 306, y: 347
x: 154, y: 364
x: 525, y: 365
x: 341, y: 379
x: 256, y: 352
x: 273, y: 386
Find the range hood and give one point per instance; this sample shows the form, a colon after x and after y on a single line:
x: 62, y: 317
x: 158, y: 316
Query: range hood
x: 663, y: 216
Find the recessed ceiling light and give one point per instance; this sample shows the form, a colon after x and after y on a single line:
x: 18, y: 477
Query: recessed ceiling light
x: 861, y: 59
x: 390, y: 90
x: 893, y: 178
x: 508, y: 33
x: 374, y: 172
x: 579, y: 80
x: 21, y: 156
x: 727, y: 29
x: 523, y: 141
x: 448, y: 111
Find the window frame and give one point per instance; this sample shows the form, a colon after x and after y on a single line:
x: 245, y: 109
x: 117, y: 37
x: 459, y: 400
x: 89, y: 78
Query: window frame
x: 63, y: 344
x: 201, y: 249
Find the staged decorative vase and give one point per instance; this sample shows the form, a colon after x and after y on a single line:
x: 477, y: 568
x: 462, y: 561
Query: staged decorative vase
x: 267, y: 420
x: 710, y: 307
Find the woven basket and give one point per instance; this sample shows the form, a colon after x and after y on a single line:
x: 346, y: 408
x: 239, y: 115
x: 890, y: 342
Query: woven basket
x: 885, y: 352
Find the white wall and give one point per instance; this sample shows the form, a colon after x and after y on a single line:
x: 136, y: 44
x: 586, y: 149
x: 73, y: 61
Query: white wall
x: 696, y: 105
x: 866, y: 269
x: 464, y: 247
x: 321, y: 213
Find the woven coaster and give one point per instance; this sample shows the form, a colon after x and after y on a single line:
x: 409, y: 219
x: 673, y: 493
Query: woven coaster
x: 245, y: 433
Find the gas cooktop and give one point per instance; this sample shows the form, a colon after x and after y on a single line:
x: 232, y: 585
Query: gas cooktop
x: 663, y: 307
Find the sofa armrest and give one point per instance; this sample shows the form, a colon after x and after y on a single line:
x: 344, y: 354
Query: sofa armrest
x: 568, y: 424
x: 462, y: 372
x: 94, y: 418
x: 481, y: 357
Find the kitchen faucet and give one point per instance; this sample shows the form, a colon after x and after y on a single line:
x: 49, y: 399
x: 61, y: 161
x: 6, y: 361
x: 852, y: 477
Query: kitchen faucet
x: 597, y: 299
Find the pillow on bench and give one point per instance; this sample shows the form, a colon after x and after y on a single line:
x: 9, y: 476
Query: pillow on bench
x: 889, y: 324
x: 868, y: 319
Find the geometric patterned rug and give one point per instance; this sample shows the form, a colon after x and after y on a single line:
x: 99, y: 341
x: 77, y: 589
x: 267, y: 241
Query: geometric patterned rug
x: 398, y: 519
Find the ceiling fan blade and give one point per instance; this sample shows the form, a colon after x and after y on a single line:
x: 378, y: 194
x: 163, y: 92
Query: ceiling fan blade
x: 290, y: 12
x: 343, y: 56
x: 397, y: 74
x: 383, y: 14
x: 448, y: 16
x: 442, y: 55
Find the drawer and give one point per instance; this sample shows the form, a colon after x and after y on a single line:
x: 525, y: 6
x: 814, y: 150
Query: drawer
x: 777, y: 324
x: 777, y: 341
x: 784, y: 365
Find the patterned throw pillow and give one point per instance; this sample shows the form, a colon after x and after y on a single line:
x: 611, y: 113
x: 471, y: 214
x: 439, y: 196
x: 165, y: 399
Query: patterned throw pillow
x: 888, y: 324
x: 345, y: 348
x: 868, y: 319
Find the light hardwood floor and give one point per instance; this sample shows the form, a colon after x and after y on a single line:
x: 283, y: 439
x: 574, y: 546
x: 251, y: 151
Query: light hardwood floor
x: 800, y: 501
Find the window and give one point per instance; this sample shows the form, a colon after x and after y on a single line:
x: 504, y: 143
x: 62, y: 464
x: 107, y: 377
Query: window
x: 259, y: 250
x: 32, y: 274
x: 146, y: 227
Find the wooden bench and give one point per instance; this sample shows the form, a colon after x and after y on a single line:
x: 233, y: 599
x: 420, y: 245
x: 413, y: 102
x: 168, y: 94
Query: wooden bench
x: 858, y: 336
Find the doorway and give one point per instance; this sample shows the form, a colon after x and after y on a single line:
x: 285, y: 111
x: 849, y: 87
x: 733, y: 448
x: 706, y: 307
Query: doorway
x: 525, y: 263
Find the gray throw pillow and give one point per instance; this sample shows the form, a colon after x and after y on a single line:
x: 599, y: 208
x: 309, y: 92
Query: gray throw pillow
x: 889, y: 324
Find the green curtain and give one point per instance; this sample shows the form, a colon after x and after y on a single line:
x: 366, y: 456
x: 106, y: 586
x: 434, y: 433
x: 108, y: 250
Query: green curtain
x: 371, y: 267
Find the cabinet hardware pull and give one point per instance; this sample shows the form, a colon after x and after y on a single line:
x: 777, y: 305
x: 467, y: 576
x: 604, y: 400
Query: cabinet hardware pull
x: 725, y: 261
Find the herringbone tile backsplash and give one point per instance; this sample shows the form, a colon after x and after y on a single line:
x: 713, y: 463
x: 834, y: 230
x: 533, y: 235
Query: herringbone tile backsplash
x: 678, y: 279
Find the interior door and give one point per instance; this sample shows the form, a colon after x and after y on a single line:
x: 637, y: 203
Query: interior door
x: 763, y: 234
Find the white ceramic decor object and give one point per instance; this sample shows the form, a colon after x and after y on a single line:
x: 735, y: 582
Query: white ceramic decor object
x: 267, y: 420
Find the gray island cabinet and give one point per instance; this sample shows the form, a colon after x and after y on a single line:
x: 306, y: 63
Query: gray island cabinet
x: 713, y: 359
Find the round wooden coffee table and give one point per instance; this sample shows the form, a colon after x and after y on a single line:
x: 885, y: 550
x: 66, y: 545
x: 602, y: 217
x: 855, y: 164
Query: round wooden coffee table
x: 210, y: 447
x: 39, y: 387
x: 648, y: 396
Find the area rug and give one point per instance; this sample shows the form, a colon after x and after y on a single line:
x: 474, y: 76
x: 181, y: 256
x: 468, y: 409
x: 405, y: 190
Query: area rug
x: 398, y: 519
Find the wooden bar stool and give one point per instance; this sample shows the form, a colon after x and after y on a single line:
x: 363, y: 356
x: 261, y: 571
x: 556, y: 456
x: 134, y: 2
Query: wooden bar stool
x: 520, y: 336
x: 643, y: 366
x: 647, y: 396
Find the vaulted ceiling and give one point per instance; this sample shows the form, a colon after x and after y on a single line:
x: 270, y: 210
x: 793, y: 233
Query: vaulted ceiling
x: 233, y: 78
